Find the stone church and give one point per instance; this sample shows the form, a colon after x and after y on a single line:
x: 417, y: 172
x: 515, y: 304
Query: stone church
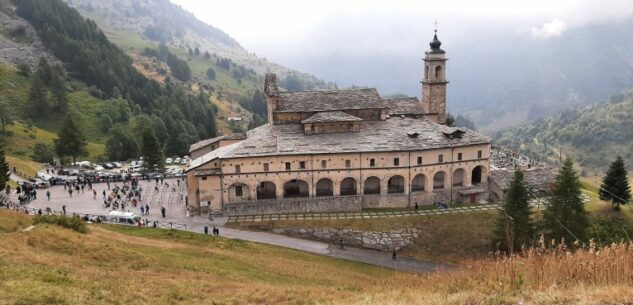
x: 343, y: 150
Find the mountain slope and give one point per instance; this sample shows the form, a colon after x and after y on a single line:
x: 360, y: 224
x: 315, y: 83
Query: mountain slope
x: 593, y: 135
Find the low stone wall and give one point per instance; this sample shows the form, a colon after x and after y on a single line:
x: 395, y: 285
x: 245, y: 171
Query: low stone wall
x: 308, y: 205
x: 383, y: 241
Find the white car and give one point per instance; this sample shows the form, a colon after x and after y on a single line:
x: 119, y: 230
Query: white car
x: 99, y: 168
x: 183, y: 161
x: 117, y: 164
x: 177, y: 160
x: 168, y: 161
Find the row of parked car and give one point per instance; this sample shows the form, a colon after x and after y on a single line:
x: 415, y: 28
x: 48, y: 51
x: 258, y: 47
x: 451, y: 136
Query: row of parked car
x: 177, y: 160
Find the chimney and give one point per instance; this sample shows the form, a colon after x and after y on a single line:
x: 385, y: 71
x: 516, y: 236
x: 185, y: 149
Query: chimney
x: 270, y: 85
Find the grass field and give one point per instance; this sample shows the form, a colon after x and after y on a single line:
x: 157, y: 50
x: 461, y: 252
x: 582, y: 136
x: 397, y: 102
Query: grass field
x: 127, y: 265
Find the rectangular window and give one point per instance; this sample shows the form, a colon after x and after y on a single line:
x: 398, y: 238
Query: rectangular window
x: 238, y: 191
x: 419, y: 160
x: 459, y: 156
x: 396, y: 161
x: 238, y: 168
x: 440, y: 158
x: 479, y: 154
x: 204, y: 178
x: 302, y: 165
x: 372, y: 162
x: 287, y: 166
x: 323, y: 164
x: 348, y: 163
x: 266, y: 167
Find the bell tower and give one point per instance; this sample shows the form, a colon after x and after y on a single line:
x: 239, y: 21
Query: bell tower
x: 434, y: 83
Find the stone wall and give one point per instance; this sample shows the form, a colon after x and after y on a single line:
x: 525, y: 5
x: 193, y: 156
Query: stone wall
x: 308, y: 205
x: 383, y: 241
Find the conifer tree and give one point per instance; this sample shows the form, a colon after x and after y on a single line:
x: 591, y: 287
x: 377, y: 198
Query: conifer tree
x: 38, y: 97
x: 71, y: 141
x: 4, y: 170
x: 152, y: 152
x: 615, y: 185
x: 59, y: 91
x: 514, y: 225
x: 565, y: 216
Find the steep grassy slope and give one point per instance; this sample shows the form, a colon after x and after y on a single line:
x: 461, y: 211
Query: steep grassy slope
x: 591, y: 135
x: 127, y: 265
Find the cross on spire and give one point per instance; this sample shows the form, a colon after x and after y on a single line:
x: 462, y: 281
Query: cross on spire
x: 436, y: 25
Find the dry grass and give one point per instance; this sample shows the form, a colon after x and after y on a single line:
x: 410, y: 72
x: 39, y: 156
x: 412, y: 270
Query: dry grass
x: 26, y: 168
x: 127, y: 265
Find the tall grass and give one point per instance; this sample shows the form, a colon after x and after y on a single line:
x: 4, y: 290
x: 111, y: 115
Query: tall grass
x: 545, y: 266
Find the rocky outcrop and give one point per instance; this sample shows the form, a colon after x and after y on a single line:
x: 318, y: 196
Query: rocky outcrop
x: 383, y: 241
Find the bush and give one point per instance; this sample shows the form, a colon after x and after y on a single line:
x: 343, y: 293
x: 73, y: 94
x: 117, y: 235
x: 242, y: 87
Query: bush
x: 24, y: 69
x: 72, y: 223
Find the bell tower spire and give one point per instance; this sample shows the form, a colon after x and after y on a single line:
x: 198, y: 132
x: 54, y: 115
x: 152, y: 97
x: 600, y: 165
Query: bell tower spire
x: 434, y: 82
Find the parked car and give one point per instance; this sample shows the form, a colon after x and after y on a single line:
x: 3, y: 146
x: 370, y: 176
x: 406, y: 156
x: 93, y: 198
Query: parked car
x: 168, y: 161
x: 177, y: 160
x: 108, y: 165
x: 99, y: 168
x: 117, y: 164
x: 183, y: 161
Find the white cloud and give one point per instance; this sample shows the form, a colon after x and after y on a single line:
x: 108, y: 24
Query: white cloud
x: 553, y: 28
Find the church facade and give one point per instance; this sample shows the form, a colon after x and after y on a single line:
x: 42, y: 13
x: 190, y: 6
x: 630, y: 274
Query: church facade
x: 343, y: 150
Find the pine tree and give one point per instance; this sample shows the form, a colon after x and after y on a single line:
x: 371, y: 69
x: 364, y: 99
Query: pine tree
x: 152, y: 152
x: 4, y: 170
x: 514, y: 226
x: 565, y: 216
x: 59, y: 90
x: 71, y: 141
x: 38, y: 97
x: 615, y: 185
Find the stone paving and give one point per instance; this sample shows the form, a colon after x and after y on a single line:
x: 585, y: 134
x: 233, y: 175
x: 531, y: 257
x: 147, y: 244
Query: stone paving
x: 362, y: 215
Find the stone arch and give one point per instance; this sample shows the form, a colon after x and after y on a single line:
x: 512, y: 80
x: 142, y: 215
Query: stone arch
x: 439, y: 179
x: 438, y: 71
x: 324, y: 188
x: 459, y: 176
x: 419, y: 183
x: 239, y: 192
x: 296, y: 188
x: 395, y: 185
x: 372, y: 186
x: 266, y: 190
x: 348, y: 187
x: 477, y: 175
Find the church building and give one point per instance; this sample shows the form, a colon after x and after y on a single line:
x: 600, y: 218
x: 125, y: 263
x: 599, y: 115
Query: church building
x: 343, y: 150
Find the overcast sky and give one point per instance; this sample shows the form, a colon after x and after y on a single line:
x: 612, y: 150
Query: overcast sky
x: 279, y: 27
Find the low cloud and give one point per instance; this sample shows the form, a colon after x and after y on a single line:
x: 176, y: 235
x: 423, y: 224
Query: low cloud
x: 550, y: 29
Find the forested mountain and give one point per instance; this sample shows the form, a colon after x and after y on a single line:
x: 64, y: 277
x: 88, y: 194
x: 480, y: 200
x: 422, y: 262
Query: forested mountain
x: 593, y: 135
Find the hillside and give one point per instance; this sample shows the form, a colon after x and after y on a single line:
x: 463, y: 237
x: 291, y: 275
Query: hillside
x: 593, y: 135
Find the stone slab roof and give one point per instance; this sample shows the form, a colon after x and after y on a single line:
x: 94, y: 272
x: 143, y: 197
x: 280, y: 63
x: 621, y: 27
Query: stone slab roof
x: 540, y: 178
x: 374, y: 136
x: 408, y: 105
x: 331, y: 116
x: 203, y: 143
x: 329, y: 100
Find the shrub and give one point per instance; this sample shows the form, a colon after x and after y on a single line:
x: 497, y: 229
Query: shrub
x: 72, y: 223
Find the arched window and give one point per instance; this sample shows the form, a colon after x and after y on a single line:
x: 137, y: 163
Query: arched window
x: 438, y: 71
x: 419, y: 183
x: 324, y: 187
x: 458, y: 177
x: 348, y: 187
x: 266, y: 190
x: 395, y: 185
x: 296, y: 189
x: 426, y: 72
x: 239, y: 192
x: 372, y: 186
x: 477, y: 175
x: 438, y: 181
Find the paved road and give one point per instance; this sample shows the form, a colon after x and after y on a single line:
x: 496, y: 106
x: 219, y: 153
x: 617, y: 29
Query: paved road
x: 84, y: 203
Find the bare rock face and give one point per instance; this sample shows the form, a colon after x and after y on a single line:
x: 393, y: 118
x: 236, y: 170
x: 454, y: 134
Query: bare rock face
x: 19, y: 42
x: 382, y: 241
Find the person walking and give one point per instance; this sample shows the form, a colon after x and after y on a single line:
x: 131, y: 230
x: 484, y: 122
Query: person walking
x: 416, y: 206
x: 104, y: 193
x: 146, y: 209
x: 393, y: 254
x: 94, y: 194
x: 142, y: 210
x: 206, y: 230
x: 48, y: 195
x: 70, y: 192
x: 64, y: 209
x: 163, y: 211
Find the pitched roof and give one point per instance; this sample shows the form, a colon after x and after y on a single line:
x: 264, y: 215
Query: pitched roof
x: 329, y: 100
x: 203, y: 143
x: 376, y: 136
x: 407, y: 105
x: 331, y: 116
